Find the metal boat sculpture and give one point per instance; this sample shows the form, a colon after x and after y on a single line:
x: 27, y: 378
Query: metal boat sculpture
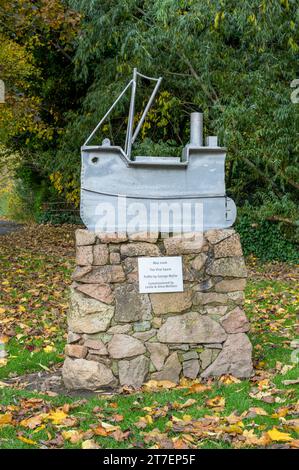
x: 117, y: 190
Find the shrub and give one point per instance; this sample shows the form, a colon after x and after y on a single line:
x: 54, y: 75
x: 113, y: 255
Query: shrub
x: 266, y: 240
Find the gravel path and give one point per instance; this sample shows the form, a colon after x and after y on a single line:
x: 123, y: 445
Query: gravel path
x: 6, y: 227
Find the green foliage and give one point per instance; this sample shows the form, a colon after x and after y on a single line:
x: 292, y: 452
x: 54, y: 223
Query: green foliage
x: 148, y: 147
x: 59, y: 217
x: 29, y: 190
x: 35, y: 195
x: 233, y: 60
x: 39, y: 200
x: 265, y: 239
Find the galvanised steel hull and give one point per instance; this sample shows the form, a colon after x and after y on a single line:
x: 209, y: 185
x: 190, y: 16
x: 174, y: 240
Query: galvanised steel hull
x: 117, y: 193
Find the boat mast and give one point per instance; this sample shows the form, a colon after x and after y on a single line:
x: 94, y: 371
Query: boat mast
x: 107, y: 114
x: 128, y: 144
x: 130, y: 136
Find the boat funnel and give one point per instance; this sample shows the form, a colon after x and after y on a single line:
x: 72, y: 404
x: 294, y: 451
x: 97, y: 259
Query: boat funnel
x: 196, y: 129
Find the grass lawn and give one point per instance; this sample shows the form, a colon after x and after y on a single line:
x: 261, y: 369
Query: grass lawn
x: 227, y: 413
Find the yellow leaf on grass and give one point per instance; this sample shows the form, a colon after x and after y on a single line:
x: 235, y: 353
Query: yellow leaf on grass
x: 90, y: 444
x: 184, y: 382
x: 291, y: 424
x: 198, y: 388
x: 233, y: 428
x: 180, y: 406
x: 152, y: 384
x: 286, y: 368
x: 216, y: 402
x: 33, y: 422
x: 40, y: 428
x: 109, y: 427
x: 290, y: 382
x: 258, y: 411
x: 73, y: 436
x: 2, y: 310
x: 5, y: 418
x: 175, y: 419
x: 187, y: 418
x: 4, y: 384
x: 276, y: 435
x: 27, y: 441
x: 234, y: 419
x: 100, y: 431
x: 4, y: 339
x: 3, y: 362
x: 147, y: 419
x: 49, y: 349
x: 260, y: 365
x: 104, y: 429
x: 229, y: 379
x: 117, y: 417
x: 179, y: 443
x: 7, y: 320
x: 188, y: 437
x: 57, y: 416
x: 281, y: 412
x: 254, y: 440
x: 262, y: 384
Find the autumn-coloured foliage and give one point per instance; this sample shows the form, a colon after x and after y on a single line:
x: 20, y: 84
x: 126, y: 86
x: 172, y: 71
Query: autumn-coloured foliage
x: 30, y: 31
x: 37, y: 46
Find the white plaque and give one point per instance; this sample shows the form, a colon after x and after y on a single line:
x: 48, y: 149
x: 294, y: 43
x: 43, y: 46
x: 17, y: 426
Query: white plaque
x: 161, y: 274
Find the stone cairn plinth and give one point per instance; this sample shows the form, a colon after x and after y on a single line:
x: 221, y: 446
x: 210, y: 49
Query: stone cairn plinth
x: 118, y: 336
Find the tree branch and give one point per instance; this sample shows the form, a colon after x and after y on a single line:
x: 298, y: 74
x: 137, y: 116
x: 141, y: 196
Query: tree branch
x: 277, y: 218
x: 60, y: 49
x: 215, y: 98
